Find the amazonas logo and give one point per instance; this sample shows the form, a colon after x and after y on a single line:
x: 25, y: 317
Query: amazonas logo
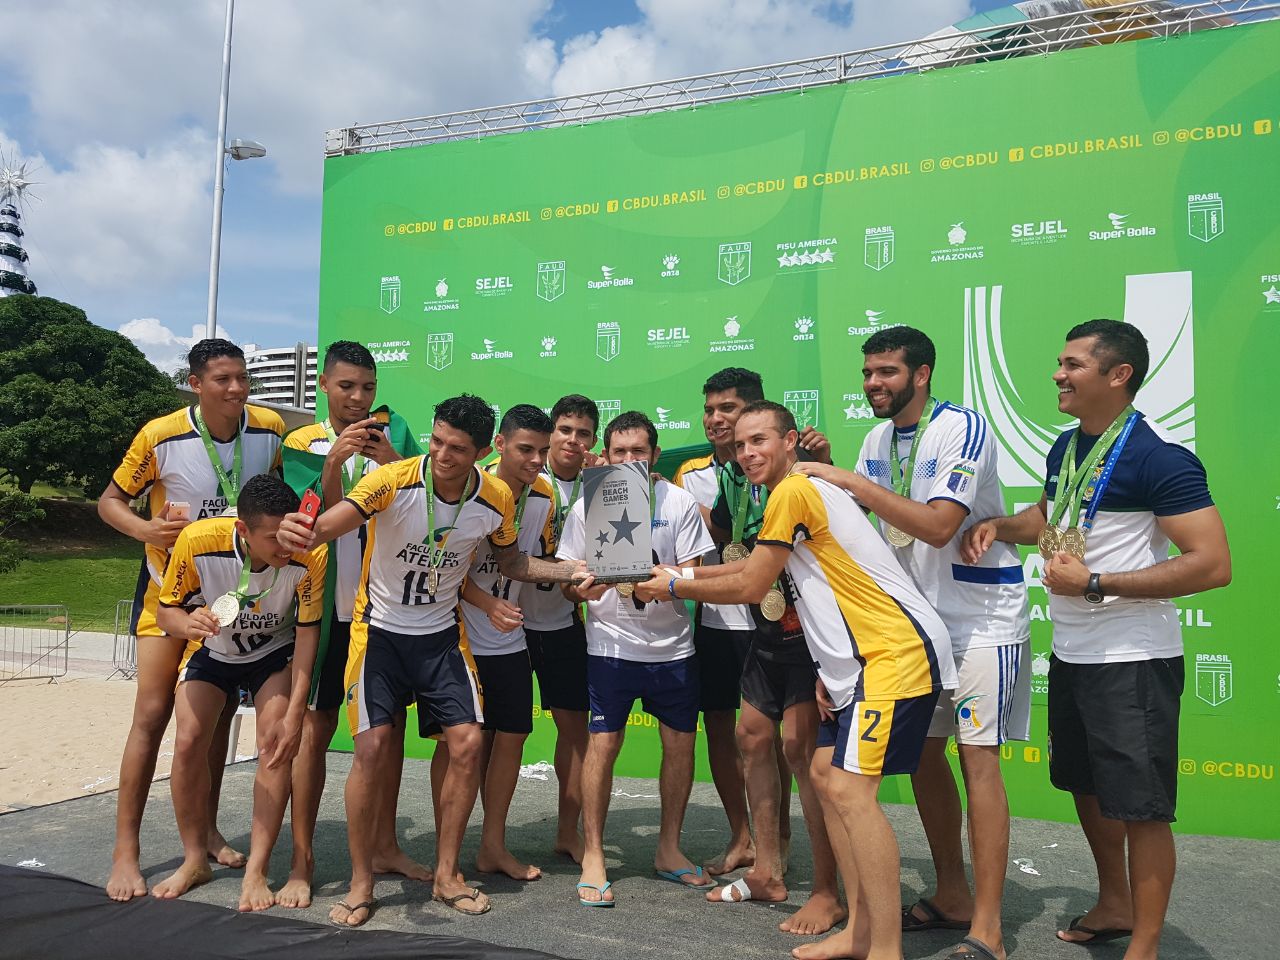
x: 1158, y: 304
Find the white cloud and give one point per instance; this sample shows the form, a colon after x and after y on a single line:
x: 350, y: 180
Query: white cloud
x: 160, y: 344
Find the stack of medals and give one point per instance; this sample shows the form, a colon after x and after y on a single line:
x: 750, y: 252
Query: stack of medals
x: 1071, y: 490
x: 435, y: 542
x: 898, y: 474
x: 228, y: 482
x: 627, y: 589
x: 773, y: 605
x: 226, y: 609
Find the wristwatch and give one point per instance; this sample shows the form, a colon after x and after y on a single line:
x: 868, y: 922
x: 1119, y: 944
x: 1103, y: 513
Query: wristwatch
x: 1093, y: 591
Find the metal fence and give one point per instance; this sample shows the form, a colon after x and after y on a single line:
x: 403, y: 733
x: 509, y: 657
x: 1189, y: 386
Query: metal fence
x: 124, y: 645
x: 35, y: 642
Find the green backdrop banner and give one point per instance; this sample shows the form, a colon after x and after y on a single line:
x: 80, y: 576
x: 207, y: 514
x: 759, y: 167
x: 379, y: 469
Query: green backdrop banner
x: 993, y: 206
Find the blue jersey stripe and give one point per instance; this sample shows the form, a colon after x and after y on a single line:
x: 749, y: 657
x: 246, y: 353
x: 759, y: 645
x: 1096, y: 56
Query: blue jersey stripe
x: 963, y: 573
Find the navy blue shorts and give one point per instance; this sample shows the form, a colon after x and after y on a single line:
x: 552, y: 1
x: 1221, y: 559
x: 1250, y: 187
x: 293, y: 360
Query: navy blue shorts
x: 198, y: 664
x: 666, y: 691
x: 559, y: 658
x: 879, y: 737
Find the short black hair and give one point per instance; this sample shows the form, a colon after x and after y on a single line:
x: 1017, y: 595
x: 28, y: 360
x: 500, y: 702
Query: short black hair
x: 785, y: 419
x: 576, y: 405
x: 1117, y: 342
x: 746, y: 383
x: 631, y: 420
x: 265, y: 495
x: 348, y: 351
x: 524, y: 416
x: 469, y: 414
x: 917, y: 348
x: 206, y: 351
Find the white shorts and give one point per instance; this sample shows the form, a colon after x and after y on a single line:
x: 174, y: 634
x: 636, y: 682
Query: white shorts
x: 992, y: 701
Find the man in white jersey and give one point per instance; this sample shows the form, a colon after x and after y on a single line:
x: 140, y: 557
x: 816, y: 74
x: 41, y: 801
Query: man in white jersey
x: 332, y: 456
x: 553, y: 627
x: 928, y: 474
x: 426, y: 517
x: 1119, y: 492
x: 882, y: 655
x: 190, y: 465
x: 493, y: 625
x: 250, y: 613
x: 639, y: 650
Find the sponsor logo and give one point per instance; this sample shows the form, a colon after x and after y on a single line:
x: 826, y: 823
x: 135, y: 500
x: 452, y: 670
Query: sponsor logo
x: 609, y: 278
x: 803, y: 405
x: 1206, y: 219
x: 665, y: 338
x: 439, y: 350
x: 390, y: 351
x: 1213, y: 678
x: 960, y: 477
x: 877, y: 247
x: 670, y: 266
x: 732, y: 342
x: 664, y: 421
x: 734, y: 263
x: 1121, y: 229
x: 858, y: 408
x: 389, y: 299
x: 608, y: 410
x: 1158, y: 304
x: 491, y: 352
x: 1037, y: 232
x: 967, y: 713
x: 351, y: 691
x: 804, y: 326
x: 1040, y: 673
x: 493, y: 286
x: 548, y: 350
x: 798, y: 256
x: 1271, y: 294
x: 550, y: 280
x: 442, y: 301
x: 875, y: 320
x: 608, y: 340
x: 957, y: 248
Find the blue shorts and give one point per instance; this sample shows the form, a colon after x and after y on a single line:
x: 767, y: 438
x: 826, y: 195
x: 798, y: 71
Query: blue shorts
x: 879, y: 737
x: 667, y: 691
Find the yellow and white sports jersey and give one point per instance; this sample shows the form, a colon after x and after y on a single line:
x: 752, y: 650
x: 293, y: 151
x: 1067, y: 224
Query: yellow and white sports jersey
x: 700, y: 478
x: 168, y: 461
x: 313, y: 438
x: 871, y: 632
x: 537, y: 538
x: 394, y: 589
x: 206, y: 563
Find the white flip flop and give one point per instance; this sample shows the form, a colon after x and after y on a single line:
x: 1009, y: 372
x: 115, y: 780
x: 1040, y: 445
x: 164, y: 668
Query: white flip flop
x: 744, y: 892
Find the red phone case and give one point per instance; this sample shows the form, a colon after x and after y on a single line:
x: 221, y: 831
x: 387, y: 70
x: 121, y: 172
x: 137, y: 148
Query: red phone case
x: 310, y: 505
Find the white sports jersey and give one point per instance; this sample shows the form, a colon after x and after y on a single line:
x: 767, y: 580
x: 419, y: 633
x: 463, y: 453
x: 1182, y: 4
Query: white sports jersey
x: 535, y: 537
x: 872, y: 634
x: 699, y: 477
x: 207, y: 562
x: 625, y: 628
x: 394, y: 591
x: 543, y: 605
x: 984, y: 605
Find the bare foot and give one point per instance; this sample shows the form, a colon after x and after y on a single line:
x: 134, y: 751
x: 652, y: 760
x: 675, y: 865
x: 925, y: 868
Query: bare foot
x: 255, y: 894
x: 834, y: 947
x: 784, y: 854
x: 296, y: 893
x: 125, y: 881
x: 401, y: 863
x: 734, y: 858
x: 504, y: 862
x: 760, y: 886
x: 822, y: 912
x: 181, y: 880
x: 571, y: 846
x: 221, y: 851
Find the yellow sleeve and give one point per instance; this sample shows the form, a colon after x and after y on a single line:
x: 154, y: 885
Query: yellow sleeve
x: 498, y: 495
x: 376, y: 491
x: 137, y: 471
x: 181, y: 586
x: 311, y: 587
x: 794, y: 512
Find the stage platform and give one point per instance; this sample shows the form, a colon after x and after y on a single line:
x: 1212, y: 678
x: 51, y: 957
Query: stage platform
x: 1224, y: 904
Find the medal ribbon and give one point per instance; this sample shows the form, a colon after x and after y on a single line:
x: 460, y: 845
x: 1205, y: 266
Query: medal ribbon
x: 357, y: 461
x: 1094, y: 491
x: 1070, y: 488
x: 901, y: 482
x: 228, y: 483
x: 437, y: 548
x: 241, y: 592
x: 563, y: 511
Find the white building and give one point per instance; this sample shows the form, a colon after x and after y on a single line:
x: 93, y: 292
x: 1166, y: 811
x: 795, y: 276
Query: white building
x: 284, y: 375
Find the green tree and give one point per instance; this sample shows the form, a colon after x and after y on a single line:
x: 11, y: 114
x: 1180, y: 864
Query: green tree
x: 72, y: 395
x: 15, y: 508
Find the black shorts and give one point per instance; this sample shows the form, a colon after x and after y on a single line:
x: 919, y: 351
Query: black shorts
x: 330, y: 689
x: 197, y: 664
x: 771, y: 686
x: 506, y: 690
x: 720, y: 656
x: 559, y: 658
x: 386, y: 670
x: 1113, y: 734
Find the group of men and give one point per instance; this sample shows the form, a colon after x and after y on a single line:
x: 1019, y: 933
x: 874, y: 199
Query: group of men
x: 847, y: 624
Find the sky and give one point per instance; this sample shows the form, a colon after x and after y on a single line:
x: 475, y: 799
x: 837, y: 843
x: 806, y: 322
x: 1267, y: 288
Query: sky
x: 115, y: 106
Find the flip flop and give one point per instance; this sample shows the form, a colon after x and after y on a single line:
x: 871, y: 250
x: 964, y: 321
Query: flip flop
x: 362, y: 905
x: 1105, y: 935
x: 602, y: 902
x: 935, y: 919
x: 744, y: 892
x: 472, y: 894
x: 676, y: 876
x: 971, y: 948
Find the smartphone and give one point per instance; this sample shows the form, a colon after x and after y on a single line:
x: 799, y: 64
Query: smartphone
x: 310, y: 505
x: 380, y: 427
x: 179, y: 510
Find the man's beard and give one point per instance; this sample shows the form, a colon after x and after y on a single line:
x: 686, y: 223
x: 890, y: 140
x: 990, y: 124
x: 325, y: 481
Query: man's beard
x: 898, y: 402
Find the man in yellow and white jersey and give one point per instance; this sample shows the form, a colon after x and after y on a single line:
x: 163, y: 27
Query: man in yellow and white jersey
x: 190, y: 464
x: 882, y: 656
x: 334, y: 455
x: 250, y: 613
x: 426, y: 517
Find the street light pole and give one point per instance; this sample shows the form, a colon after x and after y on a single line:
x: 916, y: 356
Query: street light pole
x: 215, y: 242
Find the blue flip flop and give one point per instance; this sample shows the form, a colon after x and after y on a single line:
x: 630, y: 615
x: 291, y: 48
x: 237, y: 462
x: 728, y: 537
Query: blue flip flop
x: 676, y: 876
x: 602, y: 902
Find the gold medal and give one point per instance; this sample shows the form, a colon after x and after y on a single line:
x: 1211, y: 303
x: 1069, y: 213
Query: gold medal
x: 896, y: 537
x: 626, y: 590
x: 226, y: 609
x: 1072, y: 542
x: 774, y: 605
x: 1050, y: 541
x: 733, y: 552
